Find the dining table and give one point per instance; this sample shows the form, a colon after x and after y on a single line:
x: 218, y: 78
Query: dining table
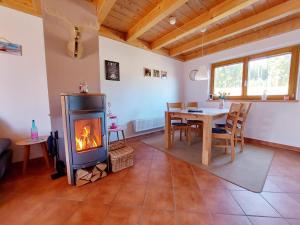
x: 206, y: 115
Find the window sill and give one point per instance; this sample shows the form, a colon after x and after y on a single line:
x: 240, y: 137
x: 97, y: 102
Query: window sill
x: 247, y: 100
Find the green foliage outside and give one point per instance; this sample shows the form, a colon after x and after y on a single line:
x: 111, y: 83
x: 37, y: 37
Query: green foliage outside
x: 265, y: 74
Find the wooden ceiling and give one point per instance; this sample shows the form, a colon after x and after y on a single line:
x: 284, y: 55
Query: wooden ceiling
x: 228, y: 23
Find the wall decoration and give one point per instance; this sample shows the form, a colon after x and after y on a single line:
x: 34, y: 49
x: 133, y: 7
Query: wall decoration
x: 156, y: 73
x: 10, y: 48
x: 147, y: 72
x: 112, y: 70
x: 163, y: 74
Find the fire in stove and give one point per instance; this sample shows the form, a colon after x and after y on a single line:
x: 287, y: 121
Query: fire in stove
x: 87, y: 134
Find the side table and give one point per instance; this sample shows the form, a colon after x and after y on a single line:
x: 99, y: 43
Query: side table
x: 42, y: 140
x: 116, y: 130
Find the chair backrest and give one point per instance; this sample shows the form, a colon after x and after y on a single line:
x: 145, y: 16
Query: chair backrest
x: 233, y: 118
x: 192, y: 105
x: 175, y: 105
x: 243, y: 115
x: 234, y: 107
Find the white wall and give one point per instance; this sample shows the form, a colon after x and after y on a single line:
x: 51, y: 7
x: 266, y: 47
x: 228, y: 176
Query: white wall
x: 134, y: 96
x: 23, y: 81
x: 65, y: 73
x: 269, y: 121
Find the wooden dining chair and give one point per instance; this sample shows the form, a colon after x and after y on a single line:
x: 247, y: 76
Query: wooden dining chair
x: 175, y: 106
x: 240, y: 136
x: 191, y: 105
x: 177, y: 123
x: 222, y: 125
x: 229, y: 132
x: 196, y: 125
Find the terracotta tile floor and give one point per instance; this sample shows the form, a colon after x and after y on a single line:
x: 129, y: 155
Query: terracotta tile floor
x: 158, y: 190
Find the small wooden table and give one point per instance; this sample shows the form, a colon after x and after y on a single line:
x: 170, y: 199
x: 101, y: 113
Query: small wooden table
x: 206, y: 116
x: 116, y: 130
x: 42, y: 140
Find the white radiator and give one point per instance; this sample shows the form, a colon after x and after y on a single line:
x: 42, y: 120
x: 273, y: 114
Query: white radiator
x: 148, y: 124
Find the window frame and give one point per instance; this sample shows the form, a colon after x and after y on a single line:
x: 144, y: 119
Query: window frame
x: 293, y: 78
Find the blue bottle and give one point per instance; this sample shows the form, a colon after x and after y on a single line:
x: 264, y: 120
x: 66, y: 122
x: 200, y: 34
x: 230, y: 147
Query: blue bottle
x: 34, y: 130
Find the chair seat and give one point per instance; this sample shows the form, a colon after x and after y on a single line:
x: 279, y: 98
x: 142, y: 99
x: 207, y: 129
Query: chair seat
x: 179, y: 124
x: 219, y: 131
x: 194, y: 121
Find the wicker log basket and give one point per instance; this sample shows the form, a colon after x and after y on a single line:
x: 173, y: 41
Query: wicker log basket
x: 121, y: 156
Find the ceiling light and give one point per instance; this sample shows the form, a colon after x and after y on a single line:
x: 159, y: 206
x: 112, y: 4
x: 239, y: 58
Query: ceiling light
x: 202, y: 72
x: 172, y: 20
x: 199, y: 74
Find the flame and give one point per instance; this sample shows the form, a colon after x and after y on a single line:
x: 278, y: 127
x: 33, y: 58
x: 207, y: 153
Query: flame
x: 86, y: 139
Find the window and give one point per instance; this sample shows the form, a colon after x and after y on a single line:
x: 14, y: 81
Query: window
x: 229, y: 79
x: 269, y: 74
x: 273, y: 73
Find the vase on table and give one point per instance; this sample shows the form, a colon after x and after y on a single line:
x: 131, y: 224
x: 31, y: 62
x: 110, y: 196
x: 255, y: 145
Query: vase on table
x: 34, y: 130
x: 221, y: 103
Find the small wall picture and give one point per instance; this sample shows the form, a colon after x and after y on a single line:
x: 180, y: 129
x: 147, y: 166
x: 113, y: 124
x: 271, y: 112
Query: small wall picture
x: 163, y: 74
x: 112, y: 70
x: 147, y: 72
x: 156, y: 73
x: 10, y: 48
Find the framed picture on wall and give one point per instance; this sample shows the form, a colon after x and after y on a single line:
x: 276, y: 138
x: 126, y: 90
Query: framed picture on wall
x: 112, y: 70
x: 147, y: 72
x: 156, y: 73
x: 163, y: 74
x: 10, y: 48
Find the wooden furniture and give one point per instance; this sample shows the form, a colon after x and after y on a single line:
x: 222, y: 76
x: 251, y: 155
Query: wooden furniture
x: 240, y: 136
x: 116, y: 130
x: 175, y: 105
x: 192, y: 105
x: 229, y: 132
x: 231, y: 109
x: 195, y: 124
x: 177, y: 122
x: 181, y: 127
x: 27, y: 144
x: 206, y: 116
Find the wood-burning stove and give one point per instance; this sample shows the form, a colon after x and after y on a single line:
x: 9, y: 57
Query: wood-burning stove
x: 84, y: 123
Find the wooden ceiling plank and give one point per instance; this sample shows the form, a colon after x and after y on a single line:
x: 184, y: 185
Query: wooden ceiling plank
x: 25, y: 7
x: 159, y: 12
x: 103, y: 8
x: 213, y: 15
x: 121, y: 37
x: 268, y: 32
x: 277, y: 12
x: 37, y: 6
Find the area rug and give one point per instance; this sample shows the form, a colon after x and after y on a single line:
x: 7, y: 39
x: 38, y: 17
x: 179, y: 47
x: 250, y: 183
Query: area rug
x: 249, y: 170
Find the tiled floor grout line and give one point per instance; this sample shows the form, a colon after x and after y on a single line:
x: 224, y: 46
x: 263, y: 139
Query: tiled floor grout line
x: 174, y: 196
x: 230, y: 192
x: 110, y: 206
x: 271, y: 205
x: 146, y: 192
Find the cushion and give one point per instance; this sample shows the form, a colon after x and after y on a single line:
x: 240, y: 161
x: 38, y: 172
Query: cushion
x: 219, y: 131
x: 195, y: 111
x: 179, y: 124
x: 4, y: 144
